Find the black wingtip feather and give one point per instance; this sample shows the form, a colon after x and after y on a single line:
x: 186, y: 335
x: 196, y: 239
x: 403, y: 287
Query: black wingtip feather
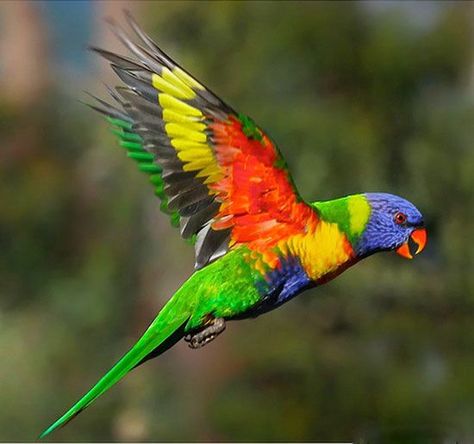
x: 119, y: 60
x: 144, y: 37
x: 106, y: 109
x: 136, y: 84
x: 114, y: 94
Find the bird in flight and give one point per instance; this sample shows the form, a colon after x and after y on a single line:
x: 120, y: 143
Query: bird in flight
x: 227, y: 188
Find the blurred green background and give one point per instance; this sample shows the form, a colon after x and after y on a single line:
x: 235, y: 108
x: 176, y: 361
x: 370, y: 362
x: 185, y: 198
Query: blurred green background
x: 370, y: 96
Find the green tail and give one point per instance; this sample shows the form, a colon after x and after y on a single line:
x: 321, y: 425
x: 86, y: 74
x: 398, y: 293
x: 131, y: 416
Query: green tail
x: 170, y: 320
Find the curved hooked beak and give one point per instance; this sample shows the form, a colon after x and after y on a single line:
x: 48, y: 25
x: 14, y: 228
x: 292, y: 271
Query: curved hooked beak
x: 418, y: 236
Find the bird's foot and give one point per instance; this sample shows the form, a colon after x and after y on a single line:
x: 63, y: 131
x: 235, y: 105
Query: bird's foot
x: 207, y: 334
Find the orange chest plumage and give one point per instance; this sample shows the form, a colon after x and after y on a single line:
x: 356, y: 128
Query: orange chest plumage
x: 323, y: 251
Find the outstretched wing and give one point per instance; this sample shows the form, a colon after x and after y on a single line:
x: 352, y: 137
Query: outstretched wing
x: 218, y: 174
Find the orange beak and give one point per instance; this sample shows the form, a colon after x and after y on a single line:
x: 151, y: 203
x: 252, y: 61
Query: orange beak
x: 419, y: 238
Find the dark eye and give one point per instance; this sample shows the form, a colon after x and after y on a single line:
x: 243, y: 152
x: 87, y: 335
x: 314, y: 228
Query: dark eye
x: 400, y: 218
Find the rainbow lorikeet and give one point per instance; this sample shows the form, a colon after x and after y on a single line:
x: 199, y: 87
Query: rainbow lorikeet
x: 226, y: 186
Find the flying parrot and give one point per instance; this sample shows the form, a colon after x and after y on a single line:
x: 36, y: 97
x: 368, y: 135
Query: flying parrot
x: 226, y: 186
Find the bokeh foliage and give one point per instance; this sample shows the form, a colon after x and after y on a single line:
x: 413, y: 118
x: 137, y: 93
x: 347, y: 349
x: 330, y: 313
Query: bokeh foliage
x: 359, y: 99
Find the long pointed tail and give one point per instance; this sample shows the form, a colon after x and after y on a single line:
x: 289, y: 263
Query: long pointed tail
x: 169, y: 321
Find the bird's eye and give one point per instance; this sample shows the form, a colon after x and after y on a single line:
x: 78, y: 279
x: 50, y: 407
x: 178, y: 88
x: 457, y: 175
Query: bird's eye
x: 400, y: 218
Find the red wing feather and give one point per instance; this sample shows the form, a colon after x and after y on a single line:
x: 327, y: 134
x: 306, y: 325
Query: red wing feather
x: 258, y: 199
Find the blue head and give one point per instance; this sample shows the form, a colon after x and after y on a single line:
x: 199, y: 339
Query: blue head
x: 393, y: 221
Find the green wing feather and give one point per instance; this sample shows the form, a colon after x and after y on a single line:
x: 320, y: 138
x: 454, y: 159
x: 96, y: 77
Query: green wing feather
x: 133, y: 143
